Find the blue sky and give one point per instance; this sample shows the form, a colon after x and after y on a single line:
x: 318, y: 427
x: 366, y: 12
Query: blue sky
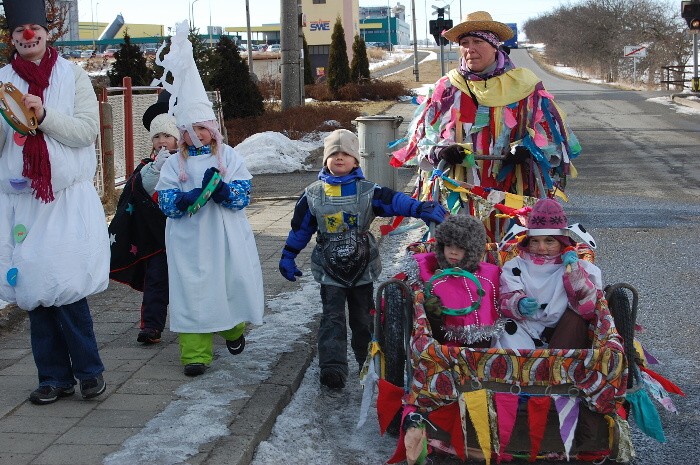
x: 232, y: 12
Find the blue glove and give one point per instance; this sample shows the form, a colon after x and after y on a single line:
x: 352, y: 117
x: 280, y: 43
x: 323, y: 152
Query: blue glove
x: 288, y: 266
x: 527, y: 306
x: 208, y: 174
x: 222, y: 191
x: 185, y: 199
x: 569, y: 257
x: 431, y: 211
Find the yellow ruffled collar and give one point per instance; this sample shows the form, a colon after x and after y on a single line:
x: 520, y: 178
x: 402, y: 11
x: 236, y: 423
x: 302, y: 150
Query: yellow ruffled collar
x: 511, y: 86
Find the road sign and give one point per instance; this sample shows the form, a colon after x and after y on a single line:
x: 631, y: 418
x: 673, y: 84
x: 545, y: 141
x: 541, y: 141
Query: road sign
x: 638, y: 51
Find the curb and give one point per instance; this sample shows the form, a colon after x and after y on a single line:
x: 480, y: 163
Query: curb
x: 683, y: 100
x: 10, y: 317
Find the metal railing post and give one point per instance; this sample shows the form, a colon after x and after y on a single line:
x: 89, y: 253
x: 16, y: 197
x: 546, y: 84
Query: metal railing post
x: 128, y: 126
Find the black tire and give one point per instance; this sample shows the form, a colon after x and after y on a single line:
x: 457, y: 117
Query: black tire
x: 395, y: 303
x: 624, y: 316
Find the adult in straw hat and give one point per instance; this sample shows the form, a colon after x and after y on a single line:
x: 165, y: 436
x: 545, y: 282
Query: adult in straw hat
x: 55, y: 248
x: 489, y: 107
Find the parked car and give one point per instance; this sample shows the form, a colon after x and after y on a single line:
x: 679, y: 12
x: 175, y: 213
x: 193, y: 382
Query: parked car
x: 150, y: 51
x: 274, y: 48
x: 76, y: 53
x: 110, y: 52
x: 87, y: 54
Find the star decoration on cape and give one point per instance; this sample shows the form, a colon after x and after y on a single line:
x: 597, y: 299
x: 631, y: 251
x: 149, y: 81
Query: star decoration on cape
x: 112, y: 239
x: 134, y: 250
x: 130, y: 209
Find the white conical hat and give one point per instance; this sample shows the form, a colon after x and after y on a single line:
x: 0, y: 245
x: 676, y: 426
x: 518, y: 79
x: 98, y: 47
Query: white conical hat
x: 188, y: 102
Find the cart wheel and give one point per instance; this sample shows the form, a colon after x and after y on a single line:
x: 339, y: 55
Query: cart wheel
x: 625, y: 315
x: 395, y: 301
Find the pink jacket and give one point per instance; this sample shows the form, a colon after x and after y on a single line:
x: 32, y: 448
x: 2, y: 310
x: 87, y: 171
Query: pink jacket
x: 457, y: 292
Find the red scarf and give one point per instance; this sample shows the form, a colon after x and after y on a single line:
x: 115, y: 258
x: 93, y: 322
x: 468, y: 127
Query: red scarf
x: 37, y: 165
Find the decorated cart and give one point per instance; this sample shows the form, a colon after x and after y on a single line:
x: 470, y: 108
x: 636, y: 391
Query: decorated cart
x: 498, y: 404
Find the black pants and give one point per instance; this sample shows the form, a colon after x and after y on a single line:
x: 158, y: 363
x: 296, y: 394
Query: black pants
x: 332, y: 334
x: 154, y: 307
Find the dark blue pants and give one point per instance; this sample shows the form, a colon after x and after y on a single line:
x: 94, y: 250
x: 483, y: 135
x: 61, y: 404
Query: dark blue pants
x: 154, y: 307
x: 332, y: 334
x: 64, y: 344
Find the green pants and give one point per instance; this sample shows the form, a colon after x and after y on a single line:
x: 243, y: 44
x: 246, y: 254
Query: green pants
x: 199, y: 347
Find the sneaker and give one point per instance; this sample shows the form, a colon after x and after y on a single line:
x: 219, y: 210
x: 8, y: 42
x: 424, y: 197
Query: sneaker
x: 49, y: 394
x: 195, y: 369
x: 149, y: 336
x: 237, y: 346
x: 92, y: 387
x: 332, y: 379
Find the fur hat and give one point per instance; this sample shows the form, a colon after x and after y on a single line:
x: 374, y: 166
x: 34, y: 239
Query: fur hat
x: 478, y: 21
x: 164, y: 123
x: 19, y: 12
x: 463, y: 231
x: 341, y: 140
x: 547, y: 218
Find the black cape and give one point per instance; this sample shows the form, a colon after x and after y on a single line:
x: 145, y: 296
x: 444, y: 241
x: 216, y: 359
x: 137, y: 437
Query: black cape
x: 136, y: 232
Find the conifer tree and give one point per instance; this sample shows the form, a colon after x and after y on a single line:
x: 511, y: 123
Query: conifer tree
x: 240, y: 97
x: 308, y: 72
x: 359, y: 69
x: 129, y: 61
x: 338, y: 64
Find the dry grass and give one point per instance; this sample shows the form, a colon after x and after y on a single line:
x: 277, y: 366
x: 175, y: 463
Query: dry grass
x: 297, y: 122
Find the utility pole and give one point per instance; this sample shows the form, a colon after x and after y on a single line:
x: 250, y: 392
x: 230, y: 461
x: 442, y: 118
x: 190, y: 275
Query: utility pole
x: 301, y: 23
x: 291, y: 96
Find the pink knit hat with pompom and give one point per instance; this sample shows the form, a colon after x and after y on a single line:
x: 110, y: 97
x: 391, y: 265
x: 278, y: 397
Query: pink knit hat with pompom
x: 547, y: 218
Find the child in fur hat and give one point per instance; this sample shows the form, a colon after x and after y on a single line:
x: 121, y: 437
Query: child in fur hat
x: 139, y: 222
x: 213, y: 265
x: 339, y: 208
x: 547, y: 292
x: 462, y: 290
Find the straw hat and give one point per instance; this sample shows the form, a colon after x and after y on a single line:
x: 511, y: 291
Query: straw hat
x: 479, y: 21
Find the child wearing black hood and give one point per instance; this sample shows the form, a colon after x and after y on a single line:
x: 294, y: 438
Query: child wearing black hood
x: 340, y: 208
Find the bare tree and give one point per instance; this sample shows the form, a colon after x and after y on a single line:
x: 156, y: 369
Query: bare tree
x: 590, y: 36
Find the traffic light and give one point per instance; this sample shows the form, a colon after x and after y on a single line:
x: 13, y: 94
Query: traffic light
x: 690, y: 11
x: 436, y: 28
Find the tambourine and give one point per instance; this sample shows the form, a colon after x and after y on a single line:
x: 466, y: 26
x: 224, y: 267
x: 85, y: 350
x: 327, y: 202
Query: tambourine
x: 19, y: 117
x: 205, y: 195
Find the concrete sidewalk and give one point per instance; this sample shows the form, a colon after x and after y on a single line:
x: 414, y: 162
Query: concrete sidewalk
x: 142, y: 380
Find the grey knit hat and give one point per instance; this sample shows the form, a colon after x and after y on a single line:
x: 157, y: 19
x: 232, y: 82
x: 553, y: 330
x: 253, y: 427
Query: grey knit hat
x: 463, y: 231
x: 341, y: 140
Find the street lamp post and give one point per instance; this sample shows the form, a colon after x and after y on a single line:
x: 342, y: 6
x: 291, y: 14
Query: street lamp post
x: 92, y: 21
x: 192, y: 13
x: 388, y: 22
x: 97, y: 22
x: 415, y: 40
x: 248, y: 32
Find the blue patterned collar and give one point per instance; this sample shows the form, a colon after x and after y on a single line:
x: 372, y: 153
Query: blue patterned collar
x: 194, y: 151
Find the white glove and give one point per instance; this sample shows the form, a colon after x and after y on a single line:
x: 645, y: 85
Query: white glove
x: 163, y: 155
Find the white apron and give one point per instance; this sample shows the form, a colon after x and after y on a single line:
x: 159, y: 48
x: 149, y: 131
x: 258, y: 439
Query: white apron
x: 214, y: 272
